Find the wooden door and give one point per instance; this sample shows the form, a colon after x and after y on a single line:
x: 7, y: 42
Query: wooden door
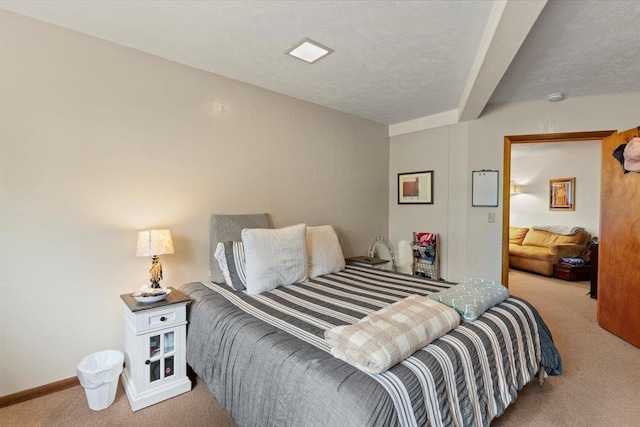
x: 619, y: 256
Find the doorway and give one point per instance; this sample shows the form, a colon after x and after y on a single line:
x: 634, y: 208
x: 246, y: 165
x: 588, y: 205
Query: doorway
x: 506, y: 198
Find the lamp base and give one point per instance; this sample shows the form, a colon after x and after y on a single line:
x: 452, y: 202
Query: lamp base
x: 156, y: 272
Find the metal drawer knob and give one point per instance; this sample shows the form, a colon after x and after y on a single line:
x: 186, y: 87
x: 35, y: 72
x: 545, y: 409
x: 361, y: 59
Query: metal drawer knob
x: 147, y: 362
x: 162, y: 319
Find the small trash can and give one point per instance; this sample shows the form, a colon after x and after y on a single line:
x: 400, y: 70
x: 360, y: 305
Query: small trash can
x: 98, y: 373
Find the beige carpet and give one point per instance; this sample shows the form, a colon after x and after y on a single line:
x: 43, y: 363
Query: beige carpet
x: 600, y: 382
x: 69, y: 408
x: 600, y: 385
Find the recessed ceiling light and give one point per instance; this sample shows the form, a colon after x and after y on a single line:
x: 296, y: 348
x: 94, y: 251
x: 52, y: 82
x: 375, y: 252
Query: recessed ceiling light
x: 555, y: 97
x: 309, y: 51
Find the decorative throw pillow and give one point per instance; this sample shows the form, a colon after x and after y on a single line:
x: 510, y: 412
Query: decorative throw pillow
x: 230, y: 256
x: 229, y: 228
x: 275, y: 257
x: 325, y: 253
x: 472, y: 298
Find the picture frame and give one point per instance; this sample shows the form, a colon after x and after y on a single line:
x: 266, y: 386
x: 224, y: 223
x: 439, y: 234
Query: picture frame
x: 415, y: 188
x: 484, y: 188
x: 562, y: 194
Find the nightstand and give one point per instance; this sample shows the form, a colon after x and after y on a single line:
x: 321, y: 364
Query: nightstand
x: 155, y: 345
x: 365, y: 261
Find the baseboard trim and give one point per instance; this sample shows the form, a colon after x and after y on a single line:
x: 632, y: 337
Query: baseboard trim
x: 32, y: 393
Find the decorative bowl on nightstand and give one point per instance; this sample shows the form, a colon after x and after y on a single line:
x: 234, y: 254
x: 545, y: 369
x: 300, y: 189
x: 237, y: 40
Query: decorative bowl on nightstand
x: 148, y: 295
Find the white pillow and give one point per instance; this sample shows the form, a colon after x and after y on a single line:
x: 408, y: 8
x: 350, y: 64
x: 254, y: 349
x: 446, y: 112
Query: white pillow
x: 325, y: 253
x: 274, y: 257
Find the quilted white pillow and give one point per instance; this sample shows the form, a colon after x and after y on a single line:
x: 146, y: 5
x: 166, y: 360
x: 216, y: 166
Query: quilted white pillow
x: 325, y: 253
x: 274, y: 257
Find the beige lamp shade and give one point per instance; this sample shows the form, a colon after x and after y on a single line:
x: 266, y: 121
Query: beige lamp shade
x: 515, y: 188
x: 154, y: 242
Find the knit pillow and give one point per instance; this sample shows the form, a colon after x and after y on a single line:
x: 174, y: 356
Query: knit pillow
x: 473, y: 297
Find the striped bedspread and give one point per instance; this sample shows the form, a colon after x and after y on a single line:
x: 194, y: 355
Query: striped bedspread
x: 465, y: 378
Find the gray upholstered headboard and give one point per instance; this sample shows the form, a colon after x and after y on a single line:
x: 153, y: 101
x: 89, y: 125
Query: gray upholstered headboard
x: 229, y: 227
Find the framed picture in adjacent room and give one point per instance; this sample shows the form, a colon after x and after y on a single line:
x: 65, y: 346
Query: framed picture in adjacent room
x: 562, y: 194
x: 415, y: 188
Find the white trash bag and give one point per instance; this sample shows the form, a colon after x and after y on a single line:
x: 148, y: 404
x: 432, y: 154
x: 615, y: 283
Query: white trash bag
x: 98, y: 373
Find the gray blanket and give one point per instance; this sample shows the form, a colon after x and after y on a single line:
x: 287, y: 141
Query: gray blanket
x: 264, y: 359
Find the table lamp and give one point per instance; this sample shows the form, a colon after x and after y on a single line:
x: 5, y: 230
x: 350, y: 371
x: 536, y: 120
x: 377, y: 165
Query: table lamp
x: 515, y: 188
x: 153, y: 243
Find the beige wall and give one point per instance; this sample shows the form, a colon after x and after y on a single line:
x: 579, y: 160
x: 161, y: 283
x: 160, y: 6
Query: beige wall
x: 413, y: 152
x: 473, y: 246
x: 534, y: 168
x: 99, y: 141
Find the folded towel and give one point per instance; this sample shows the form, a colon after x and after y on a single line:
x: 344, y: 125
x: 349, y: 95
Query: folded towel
x: 385, y: 338
x: 559, y: 229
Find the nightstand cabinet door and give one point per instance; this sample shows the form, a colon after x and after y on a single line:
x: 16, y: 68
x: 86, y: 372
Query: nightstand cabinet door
x: 162, y: 360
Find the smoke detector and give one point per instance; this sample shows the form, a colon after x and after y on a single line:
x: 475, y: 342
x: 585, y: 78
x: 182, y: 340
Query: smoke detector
x: 555, y: 97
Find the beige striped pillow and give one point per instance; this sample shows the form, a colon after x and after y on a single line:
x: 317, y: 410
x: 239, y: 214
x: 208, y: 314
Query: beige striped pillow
x: 325, y: 253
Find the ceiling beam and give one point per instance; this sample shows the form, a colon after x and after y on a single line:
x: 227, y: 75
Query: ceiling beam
x: 436, y: 120
x: 508, y: 25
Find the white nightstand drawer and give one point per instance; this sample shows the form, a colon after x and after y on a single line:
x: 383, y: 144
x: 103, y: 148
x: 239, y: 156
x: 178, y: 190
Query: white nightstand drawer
x: 163, y: 317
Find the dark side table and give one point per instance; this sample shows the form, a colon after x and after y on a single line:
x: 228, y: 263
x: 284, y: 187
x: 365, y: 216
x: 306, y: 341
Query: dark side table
x: 572, y: 272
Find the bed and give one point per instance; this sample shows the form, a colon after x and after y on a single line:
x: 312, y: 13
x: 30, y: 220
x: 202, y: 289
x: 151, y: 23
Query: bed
x: 264, y: 357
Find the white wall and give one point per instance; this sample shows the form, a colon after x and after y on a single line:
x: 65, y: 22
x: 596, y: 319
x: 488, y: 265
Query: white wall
x: 99, y: 141
x: 474, y: 245
x: 533, y: 165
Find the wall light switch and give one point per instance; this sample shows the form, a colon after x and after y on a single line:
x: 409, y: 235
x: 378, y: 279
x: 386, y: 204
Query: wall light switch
x: 491, y: 218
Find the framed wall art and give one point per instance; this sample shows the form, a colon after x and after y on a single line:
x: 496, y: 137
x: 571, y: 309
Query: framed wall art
x: 415, y: 188
x: 562, y: 194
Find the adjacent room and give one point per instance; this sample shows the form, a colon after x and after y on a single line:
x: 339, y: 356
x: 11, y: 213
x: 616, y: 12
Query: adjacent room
x: 537, y: 170
x: 209, y: 208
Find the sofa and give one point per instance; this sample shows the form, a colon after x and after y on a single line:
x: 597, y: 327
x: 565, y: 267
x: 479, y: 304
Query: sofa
x: 538, y: 250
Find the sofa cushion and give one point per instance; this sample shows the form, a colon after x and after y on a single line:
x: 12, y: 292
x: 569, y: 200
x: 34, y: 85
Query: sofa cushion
x: 516, y: 234
x: 535, y: 252
x: 546, y: 239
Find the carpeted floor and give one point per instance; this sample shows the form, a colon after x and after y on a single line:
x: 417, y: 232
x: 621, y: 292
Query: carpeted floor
x: 598, y: 388
x: 68, y: 408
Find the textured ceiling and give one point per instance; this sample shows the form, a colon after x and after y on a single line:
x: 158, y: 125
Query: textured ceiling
x: 393, y: 61
x: 580, y: 48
